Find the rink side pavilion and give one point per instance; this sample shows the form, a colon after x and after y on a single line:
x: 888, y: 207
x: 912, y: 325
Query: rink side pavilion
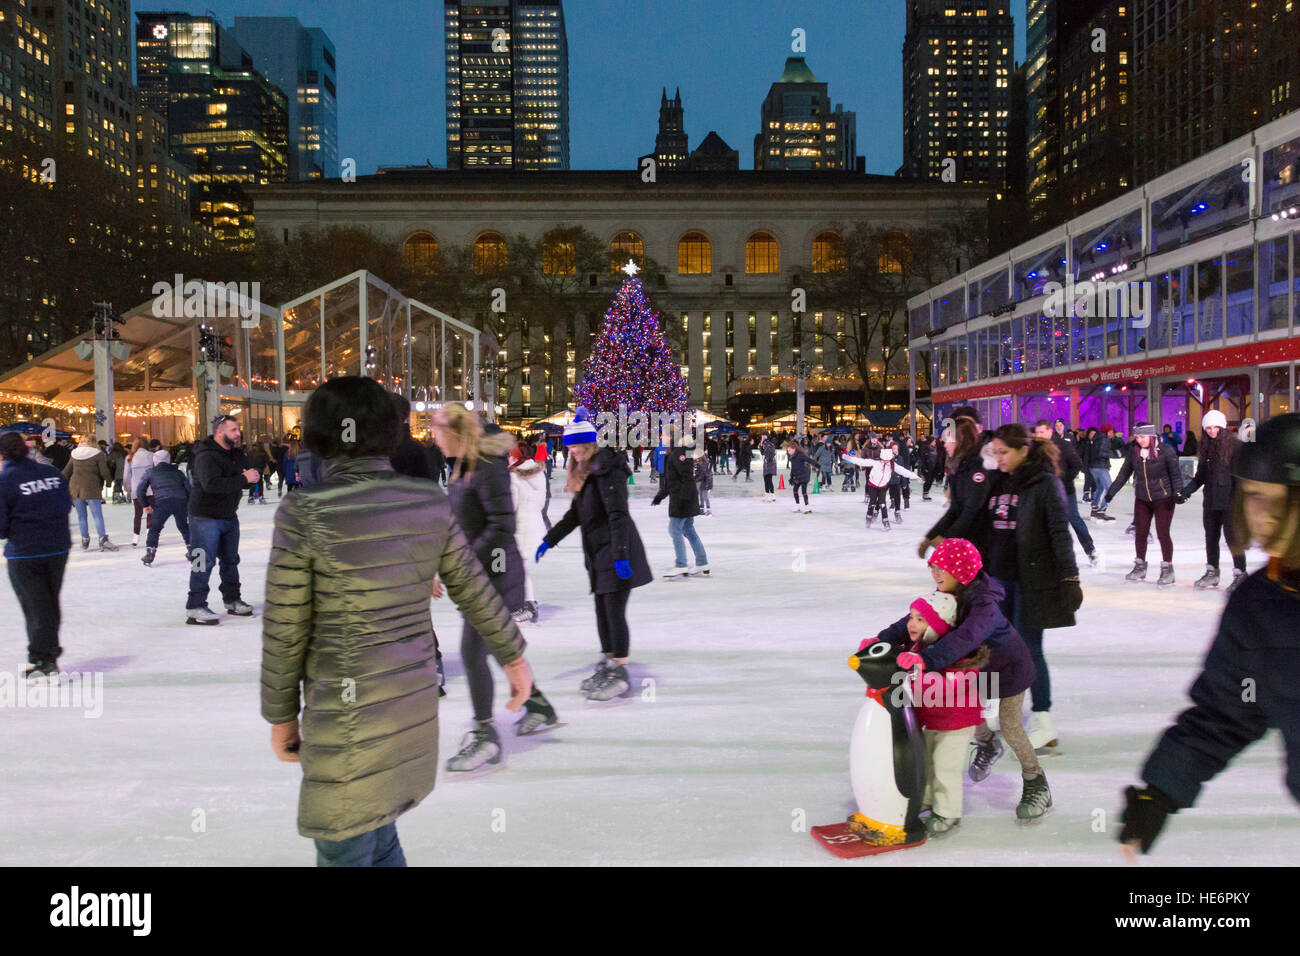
x: 1218, y: 241
x: 732, y: 244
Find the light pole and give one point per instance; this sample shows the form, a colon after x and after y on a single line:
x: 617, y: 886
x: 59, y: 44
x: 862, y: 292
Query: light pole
x: 801, y: 370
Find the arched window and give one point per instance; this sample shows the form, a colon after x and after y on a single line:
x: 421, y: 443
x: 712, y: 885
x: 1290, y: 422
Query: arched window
x: 559, y: 257
x: 828, y: 253
x: 490, y: 253
x: 896, y: 253
x: 421, y: 251
x: 761, y: 255
x: 694, y: 254
x: 624, y: 246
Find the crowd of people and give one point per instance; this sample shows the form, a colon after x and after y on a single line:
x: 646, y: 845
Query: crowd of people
x: 366, y: 537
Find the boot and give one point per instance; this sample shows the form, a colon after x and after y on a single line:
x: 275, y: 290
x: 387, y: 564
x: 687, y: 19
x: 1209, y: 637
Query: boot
x: 870, y: 518
x: 1139, y: 572
x: 1166, y: 578
x: 85, y: 544
x: 984, y: 755
x: 479, y: 748
x: 106, y: 545
x: 884, y: 518
x: 1035, y: 800
x: 1238, y: 576
x: 135, y: 541
x: 898, y: 516
x: 148, y: 556
x: 1210, y: 579
x: 539, y: 716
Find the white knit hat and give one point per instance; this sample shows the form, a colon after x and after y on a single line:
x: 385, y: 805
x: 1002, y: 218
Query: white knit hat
x: 1214, y: 419
x: 161, y: 456
x: 580, y: 431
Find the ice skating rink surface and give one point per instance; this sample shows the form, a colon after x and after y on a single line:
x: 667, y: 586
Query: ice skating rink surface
x: 734, y: 743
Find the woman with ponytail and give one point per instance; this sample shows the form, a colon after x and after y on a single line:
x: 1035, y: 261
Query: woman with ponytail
x: 1032, y: 557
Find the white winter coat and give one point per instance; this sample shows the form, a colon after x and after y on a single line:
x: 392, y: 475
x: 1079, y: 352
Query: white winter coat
x: 528, y: 489
x: 137, y: 470
x: 878, y: 471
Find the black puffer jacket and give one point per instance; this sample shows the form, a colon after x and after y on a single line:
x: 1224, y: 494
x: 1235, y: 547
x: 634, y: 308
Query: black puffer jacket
x: 1212, y: 475
x: 166, y: 483
x: 608, y: 532
x: 217, y: 475
x: 967, y: 514
x: 1099, y: 452
x: 1071, y: 463
x: 1044, y: 549
x: 484, y: 510
x: 800, y: 466
x: 1154, y: 479
x: 679, y: 485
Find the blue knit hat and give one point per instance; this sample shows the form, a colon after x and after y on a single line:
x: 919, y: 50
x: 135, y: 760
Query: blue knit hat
x: 580, y: 431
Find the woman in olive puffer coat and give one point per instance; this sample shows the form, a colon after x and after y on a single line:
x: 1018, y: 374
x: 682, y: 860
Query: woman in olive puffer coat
x: 353, y: 561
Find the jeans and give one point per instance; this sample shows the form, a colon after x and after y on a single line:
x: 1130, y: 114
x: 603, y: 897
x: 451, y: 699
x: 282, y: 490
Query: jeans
x: 1011, y: 606
x: 1076, y: 521
x: 37, y: 582
x: 96, y: 509
x: 682, y: 530
x: 376, y: 848
x: 169, y: 508
x: 1101, y: 478
x: 218, y: 541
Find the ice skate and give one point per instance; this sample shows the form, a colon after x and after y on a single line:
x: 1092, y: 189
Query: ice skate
x: 937, y: 826
x: 594, y: 679
x: 796, y: 509
x: 898, y: 516
x: 672, y: 573
x: 201, y: 615
x: 984, y: 754
x: 480, y: 750
x: 1094, y: 559
x: 41, y: 670
x: 148, y: 556
x: 526, y: 614
x: 239, y: 609
x: 1042, y: 732
x: 870, y: 518
x: 135, y: 541
x: 1036, y: 798
x: 612, y: 682
x: 539, y: 717
x: 85, y: 544
x: 1166, y: 578
x: 884, y: 520
x: 700, y: 570
x: 1238, y: 576
x: 1139, y: 572
x: 1210, y: 579
x: 806, y: 510
x: 106, y: 545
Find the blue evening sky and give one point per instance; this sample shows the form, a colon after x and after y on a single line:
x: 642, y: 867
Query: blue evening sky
x: 723, y: 54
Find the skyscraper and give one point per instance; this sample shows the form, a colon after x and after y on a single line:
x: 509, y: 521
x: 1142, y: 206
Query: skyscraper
x: 957, y: 61
x: 507, y: 84
x: 1043, y: 110
x: 300, y: 61
x: 799, y: 130
x: 671, y: 150
x: 226, y: 122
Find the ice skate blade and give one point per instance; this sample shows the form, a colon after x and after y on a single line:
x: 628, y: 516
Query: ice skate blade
x: 542, y: 729
x: 622, y: 701
x: 483, y: 771
x: 1050, y: 749
x: 190, y: 620
x: 1031, y: 821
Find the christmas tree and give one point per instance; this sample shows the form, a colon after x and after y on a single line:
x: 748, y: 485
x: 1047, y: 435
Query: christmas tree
x: 630, y: 363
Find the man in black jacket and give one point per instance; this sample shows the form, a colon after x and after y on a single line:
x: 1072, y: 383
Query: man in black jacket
x: 220, y: 472
x: 1071, y: 465
x: 683, y: 497
x: 170, y: 491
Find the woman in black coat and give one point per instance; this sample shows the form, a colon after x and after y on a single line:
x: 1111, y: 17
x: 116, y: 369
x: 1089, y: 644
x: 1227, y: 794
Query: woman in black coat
x: 1032, y: 555
x: 683, y: 496
x: 611, y: 547
x: 479, y: 493
x: 1216, y: 458
x: 968, y: 489
x: 1157, y: 484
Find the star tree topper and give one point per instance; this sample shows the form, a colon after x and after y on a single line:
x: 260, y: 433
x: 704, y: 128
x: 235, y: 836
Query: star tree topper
x: 631, y: 268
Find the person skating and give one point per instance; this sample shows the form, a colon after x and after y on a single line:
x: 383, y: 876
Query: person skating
x: 680, y: 488
x: 1157, y: 484
x: 479, y: 492
x: 744, y: 454
x: 117, y: 457
x: 768, y: 451
x: 219, y: 473
x: 34, y: 507
x: 969, y: 474
x: 957, y: 569
x: 612, y: 550
x: 1070, y: 466
x: 88, y: 470
x: 353, y: 561
x: 1100, y: 453
x: 882, y: 474
x: 1216, y: 459
x: 824, y: 455
x: 801, y: 465
x: 170, y: 492
x: 1257, y: 645
x: 137, y: 470
x: 1031, y: 556
x: 259, y: 460
x: 704, y: 481
x: 528, y: 489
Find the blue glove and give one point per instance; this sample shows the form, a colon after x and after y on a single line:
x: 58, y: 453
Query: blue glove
x: 541, y: 550
x: 623, y: 569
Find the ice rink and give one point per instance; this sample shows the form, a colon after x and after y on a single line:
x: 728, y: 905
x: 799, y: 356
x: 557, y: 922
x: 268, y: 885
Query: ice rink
x: 736, y: 742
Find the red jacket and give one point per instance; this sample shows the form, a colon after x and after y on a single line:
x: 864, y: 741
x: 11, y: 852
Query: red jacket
x: 947, y: 699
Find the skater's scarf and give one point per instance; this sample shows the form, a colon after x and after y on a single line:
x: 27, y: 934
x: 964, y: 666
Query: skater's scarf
x: 578, y: 471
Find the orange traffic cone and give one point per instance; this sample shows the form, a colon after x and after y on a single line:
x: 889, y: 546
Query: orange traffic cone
x: 781, y: 485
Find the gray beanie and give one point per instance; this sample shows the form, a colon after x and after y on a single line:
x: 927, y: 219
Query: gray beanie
x: 1145, y: 429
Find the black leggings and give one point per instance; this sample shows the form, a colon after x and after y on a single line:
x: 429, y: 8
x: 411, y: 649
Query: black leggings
x: 1219, y: 521
x: 795, y: 486
x: 895, y: 492
x: 876, y: 498
x: 1163, y: 512
x: 482, y: 687
x: 767, y: 485
x: 906, y: 486
x: 611, y: 623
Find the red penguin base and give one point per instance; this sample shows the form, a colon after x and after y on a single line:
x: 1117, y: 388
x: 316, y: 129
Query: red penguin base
x: 844, y: 843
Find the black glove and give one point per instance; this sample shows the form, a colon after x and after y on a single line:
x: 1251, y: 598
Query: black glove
x: 1073, y: 595
x: 655, y: 502
x: 1144, y: 816
x: 1180, y: 499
